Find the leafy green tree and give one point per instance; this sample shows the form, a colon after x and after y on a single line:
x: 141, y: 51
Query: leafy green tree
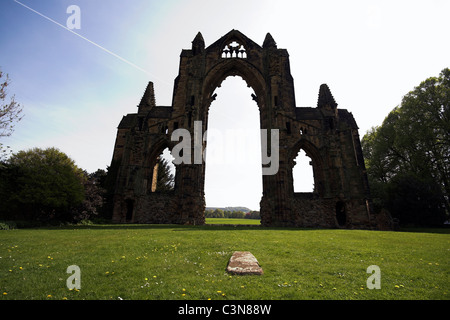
x: 412, y: 146
x: 218, y: 213
x: 108, y: 183
x: 166, y: 179
x: 415, y: 201
x: 252, y: 215
x: 10, y: 113
x: 238, y: 214
x: 209, y: 213
x: 42, y: 184
x: 94, y: 197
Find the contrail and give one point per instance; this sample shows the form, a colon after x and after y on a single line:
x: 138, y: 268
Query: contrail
x: 91, y: 42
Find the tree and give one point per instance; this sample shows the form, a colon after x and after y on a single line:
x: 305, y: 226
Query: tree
x: 93, y: 199
x: 41, y: 185
x: 415, y: 201
x: 252, y: 215
x: 412, y: 146
x: 218, y: 213
x: 165, y: 180
x: 10, y: 113
x: 108, y: 183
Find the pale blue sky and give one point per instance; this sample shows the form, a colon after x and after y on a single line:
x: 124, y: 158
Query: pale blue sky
x: 74, y: 94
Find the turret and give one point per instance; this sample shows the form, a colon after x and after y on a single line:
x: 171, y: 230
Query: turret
x: 326, y: 100
x: 147, y: 101
x: 198, y: 45
x: 269, y: 42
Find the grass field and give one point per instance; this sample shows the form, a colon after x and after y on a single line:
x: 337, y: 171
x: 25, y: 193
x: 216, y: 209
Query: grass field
x: 232, y: 221
x: 188, y: 262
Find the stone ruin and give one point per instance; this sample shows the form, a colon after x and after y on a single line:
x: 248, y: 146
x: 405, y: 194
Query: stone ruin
x: 327, y: 134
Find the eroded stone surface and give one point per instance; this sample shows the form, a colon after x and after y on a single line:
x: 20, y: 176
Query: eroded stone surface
x: 242, y: 263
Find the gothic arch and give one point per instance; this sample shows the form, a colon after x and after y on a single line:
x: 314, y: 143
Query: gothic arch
x: 233, y: 67
x: 151, y: 160
x: 155, y: 150
x: 317, y: 163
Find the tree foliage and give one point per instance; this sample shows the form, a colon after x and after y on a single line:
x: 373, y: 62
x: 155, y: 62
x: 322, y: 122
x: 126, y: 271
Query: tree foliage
x: 94, y: 197
x: 45, y: 184
x: 10, y: 113
x: 408, y: 156
x: 233, y: 214
x: 166, y: 179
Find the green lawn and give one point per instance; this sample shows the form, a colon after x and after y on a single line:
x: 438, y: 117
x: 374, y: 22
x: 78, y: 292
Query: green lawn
x: 188, y: 262
x: 232, y: 221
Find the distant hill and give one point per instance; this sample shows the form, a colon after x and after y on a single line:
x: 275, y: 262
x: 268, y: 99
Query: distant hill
x: 243, y: 209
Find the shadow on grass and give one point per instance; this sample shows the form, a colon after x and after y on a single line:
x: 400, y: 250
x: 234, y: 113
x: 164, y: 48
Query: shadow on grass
x: 213, y: 227
x: 445, y: 230
x: 174, y: 227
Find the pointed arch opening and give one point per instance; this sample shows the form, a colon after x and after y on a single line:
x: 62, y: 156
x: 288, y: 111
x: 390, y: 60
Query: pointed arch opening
x: 233, y: 67
x: 165, y: 172
x: 233, y: 171
x: 302, y: 173
x: 160, y: 171
x: 307, y: 169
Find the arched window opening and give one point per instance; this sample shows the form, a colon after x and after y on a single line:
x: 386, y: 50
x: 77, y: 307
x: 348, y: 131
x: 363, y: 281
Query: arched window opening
x: 163, y: 174
x: 233, y: 173
x: 302, y: 173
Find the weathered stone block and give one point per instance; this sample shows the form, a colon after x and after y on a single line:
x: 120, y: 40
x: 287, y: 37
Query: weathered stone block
x: 244, y: 263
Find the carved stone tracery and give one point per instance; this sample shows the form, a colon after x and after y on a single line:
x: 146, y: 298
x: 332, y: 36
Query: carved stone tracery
x: 234, y: 50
